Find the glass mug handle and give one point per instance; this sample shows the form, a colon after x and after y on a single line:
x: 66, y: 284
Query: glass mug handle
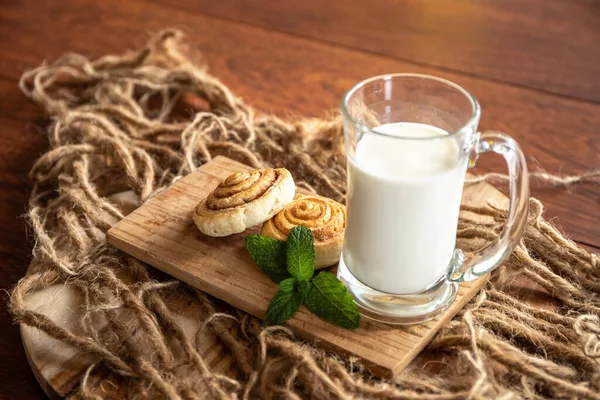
x: 490, y: 257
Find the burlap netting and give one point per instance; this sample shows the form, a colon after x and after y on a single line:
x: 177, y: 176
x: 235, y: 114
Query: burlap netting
x: 117, y: 126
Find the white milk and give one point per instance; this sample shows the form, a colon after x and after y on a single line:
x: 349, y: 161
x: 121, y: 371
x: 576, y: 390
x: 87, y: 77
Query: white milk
x: 403, y: 203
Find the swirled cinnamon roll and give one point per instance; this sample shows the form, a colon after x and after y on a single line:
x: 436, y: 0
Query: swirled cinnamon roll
x: 324, y: 217
x: 243, y: 200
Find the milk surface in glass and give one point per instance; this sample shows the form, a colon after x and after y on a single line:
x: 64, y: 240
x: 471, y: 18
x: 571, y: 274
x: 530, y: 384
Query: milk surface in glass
x: 403, y: 203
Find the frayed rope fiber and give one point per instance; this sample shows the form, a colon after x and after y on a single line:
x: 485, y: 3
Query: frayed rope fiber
x: 117, y: 125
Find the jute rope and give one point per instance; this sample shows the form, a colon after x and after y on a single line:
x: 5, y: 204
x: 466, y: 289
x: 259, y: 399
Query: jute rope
x: 117, y: 125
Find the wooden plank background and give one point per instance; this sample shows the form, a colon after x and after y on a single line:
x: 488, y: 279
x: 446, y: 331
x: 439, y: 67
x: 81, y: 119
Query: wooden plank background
x: 534, y: 65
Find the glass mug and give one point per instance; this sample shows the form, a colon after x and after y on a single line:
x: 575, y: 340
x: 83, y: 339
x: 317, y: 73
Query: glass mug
x: 409, y: 141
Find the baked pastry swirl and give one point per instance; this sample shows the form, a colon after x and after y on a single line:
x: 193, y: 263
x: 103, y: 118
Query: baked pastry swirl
x: 243, y: 200
x: 324, y: 217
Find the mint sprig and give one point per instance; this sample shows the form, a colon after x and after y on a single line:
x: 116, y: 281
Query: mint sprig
x: 304, y: 289
x: 292, y: 265
x: 270, y: 255
x: 300, y: 250
x: 283, y: 306
x: 287, y: 285
x: 328, y: 299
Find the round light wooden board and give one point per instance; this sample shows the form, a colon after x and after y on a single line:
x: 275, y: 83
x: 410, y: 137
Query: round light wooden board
x: 59, y: 367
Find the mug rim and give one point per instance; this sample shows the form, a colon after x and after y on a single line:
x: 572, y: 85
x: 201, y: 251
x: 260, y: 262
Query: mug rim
x: 469, y: 125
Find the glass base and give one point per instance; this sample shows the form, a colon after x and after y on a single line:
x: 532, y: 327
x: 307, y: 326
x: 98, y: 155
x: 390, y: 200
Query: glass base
x: 399, y: 309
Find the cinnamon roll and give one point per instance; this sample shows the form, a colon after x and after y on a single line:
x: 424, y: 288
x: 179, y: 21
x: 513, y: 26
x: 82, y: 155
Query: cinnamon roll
x: 324, y: 217
x: 243, y: 200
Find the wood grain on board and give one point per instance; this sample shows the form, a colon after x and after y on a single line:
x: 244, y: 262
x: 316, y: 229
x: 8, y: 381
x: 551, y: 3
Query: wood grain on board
x: 294, y: 76
x: 162, y: 233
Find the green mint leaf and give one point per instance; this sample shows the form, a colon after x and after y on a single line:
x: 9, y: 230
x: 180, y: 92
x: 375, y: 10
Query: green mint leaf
x: 287, y: 285
x: 283, y: 306
x: 328, y: 299
x: 269, y: 255
x: 300, y: 253
x: 304, y: 288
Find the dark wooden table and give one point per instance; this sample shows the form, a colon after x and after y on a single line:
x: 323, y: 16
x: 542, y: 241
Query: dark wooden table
x: 534, y: 65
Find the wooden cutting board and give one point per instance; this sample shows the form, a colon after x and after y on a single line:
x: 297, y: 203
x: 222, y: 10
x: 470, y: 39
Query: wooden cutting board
x: 161, y: 233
